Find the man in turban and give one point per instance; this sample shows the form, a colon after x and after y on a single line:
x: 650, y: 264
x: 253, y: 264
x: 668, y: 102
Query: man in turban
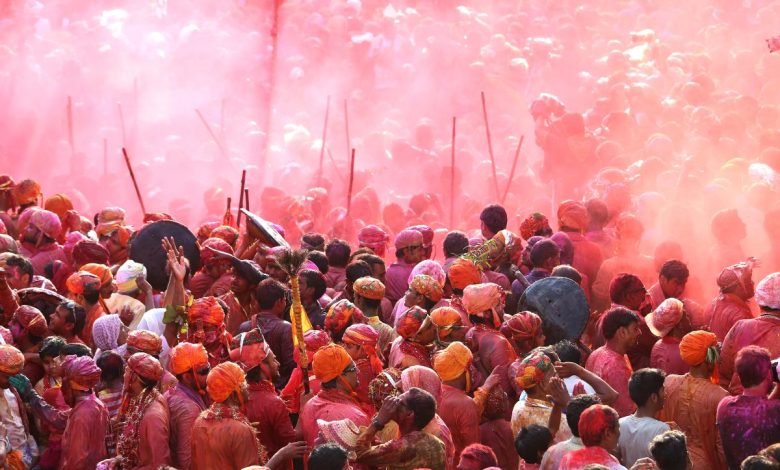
x: 448, y: 325
x: 214, y: 277
x: 670, y: 323
x: 23, y: 448
x: 456, y: 407
x: 84, y: 288
x: 573, y: 220
x: 265, y: 409
x: 408, y: 251
x: 341, y: 315
x: 730, y: 306
x: 113, y: 234
x: 485, y: 305
x: 222, y: 436
x: 373, y: 237
x: 206, y: 320
x: 28, y: 327
x: 524, y: 332
x: 461, y: 274
x: 415, y: 334
x: 761, y: 331
x: 189, y: 362
x: 691, y: 400
x: 150, y: 343
x: 535, y: 224
x: 67, y: 321
x: 368, y: 293
x: 599, y: 430
x: 337, y: 399
x: 360, y: 341
x: 424, y: 291
x: 241, y: 301
x: 85, y: 424
x: 39, y: 230
x: 427, y: 233
x: 134, y: 294
x: 291, y: 393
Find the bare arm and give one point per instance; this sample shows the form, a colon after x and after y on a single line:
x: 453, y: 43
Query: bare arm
x: 607, y: 394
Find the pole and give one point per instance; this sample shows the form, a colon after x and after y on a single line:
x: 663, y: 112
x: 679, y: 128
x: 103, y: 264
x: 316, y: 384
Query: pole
x: 213, y: 135
x: 351, y: 180
x: 346, y: 129
x: 452, y: 176
x: 135, y: 183
x: 271, y: 82
x: 246, y: 199
x: 241, y: 199
x: 324, y: 137
x: 490, y: 144
x: 514, y: 166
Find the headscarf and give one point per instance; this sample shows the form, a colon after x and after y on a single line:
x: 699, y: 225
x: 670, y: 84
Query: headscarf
x: 736, y: 275
x: 384, y: 385
x: 314, y: 340
x: 532, y: 370
x: 148, y: 367
x: 145, y: 341
x: 26, y: 192
x: 768, y: 292
x: 186, y: 356
x: 249, y: 349
x: 430, y: 268
x: 409, y: 322
x: 86, y: 251
x: 573, y: 214
x: 698, y: 347
x: 445, y: 319
x: 329, y: 362
x: 452, y: 362
x: 427, y: 286
x: 224, y: 380
x: 81, y: 372
x: 101, y: 271
x: 11, y: 360
x: 366, y: 337
x: 424, y: 378
x: 463, y: 272
x: 533, y: 224
x: 373, y: 237
x: 208, y: 257
x: 665, y: 317
x: 481, y: 298
x: 82, y: 282
x: 340, y: 314
x: 45, y: 221
x: 427, y: 234
x: 369, y: 287
x: 127, y: 275
x: 523, y: 326
x: 226, y: 233
x: 105, y: 332
x: 32, y: 320
x: 207, y: 310
x: 407, y: 237
x: 60, y: 204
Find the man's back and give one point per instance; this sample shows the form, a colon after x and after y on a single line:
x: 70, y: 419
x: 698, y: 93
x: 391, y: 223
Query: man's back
x: 635, y: 436
x: 747, y: 424
x: 223, y: 443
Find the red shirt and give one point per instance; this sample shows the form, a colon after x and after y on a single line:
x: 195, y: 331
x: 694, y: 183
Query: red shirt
x: 616, y: 370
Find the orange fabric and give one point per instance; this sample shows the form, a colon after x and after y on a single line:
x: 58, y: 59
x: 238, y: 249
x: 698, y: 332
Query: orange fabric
x: 145, y: 341
x: 146, y: 366
x: 11, y: 359
x: 453, y: 361
x: 330, y: 361
x: 81, y: 281
x: 249, y: 349
x: 60, y: 204
x: 101, y: 271
x: 186, y: 356
x: 699, y: 346
x: 366, y: 337
x: 27, y: 192
x: 223, y: 380
x: 427, y: 286
x: 573, y: 214
x: 445, y: 318
x: 463, y: 273
x: 369, y: 287
x: 207, y: 310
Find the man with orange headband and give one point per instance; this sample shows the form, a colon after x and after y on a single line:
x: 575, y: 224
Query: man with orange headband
x: 39, y: 230
x: 189, y: 362
x: 415, y: 335
x: 23, y: 449
x: 461, y: 274
x: 206, y: 320
x: 337, y: 399
x: 456, y: 408
x: 292, y: 392
x: 84, y: 424
x: 524, y: 331
x: 448, y: 326
x: 692, y: 399
x: 264, y: 408
x: 360, y: 341
x: 485, y: 305
x: 84, y: 288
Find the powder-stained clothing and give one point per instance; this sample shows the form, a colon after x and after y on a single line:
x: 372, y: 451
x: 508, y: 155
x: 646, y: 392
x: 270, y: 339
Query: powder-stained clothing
x: 330, y: 405
x: 237, y: 313
x: 763, y: 331
x: 336, y: 278
x: 417, y: 449
x: 635, y: 436
x: 497, y: 434
x: 461, y: 415
x: 587, y: 256
x: 666, y: 356
x: 615, y: 369
x: 185, y: 405
x: 405, y: 354
x: 532, y: 411
x: 269, y: 412
x: 95, y: 312
x: 225, y: 444
x: 278, y: 335
x: 555, y: 453
x: 581, y: 458
x: 397, y: 277
x: 692, y: 402
x: 747, y: 424
x: 641, y: 266
x: 724, y: 312
x: 386, y: 334
x: 493, y: 349
x: 42, y: 255
x: 154, y: 435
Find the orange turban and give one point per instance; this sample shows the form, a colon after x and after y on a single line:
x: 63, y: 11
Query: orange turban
x: 340, y: 314
x: 208, y: 257
x: 249, y: 349
x: 445, y: 319
x: 186, y: 356
x: 330, y: 361
x: 451, y: 362
x: 522, y: 326
x: 145, y: 341
x: 223, y: 380
x: 207, y: 310
x: 573, y: 214
x: 427, y: 286
x: 80, y: 282
x: 32, y: 320
x: 146, y: 366
x: 101, y: 271
x: 27, y: 192
x: 11, y: 360
x: 481, y: 298
x: 369, y: 287
x: 59, y: 204
x: 698, y: 347
x: 533, y: 224
x: 462, y: 273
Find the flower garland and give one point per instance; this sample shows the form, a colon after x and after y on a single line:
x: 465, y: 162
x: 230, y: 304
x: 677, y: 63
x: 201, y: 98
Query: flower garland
x: 220, y: 411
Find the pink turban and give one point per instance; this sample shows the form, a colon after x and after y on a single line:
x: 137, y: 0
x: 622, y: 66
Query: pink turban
x: 426, y: 232
x: 45, y: 221
x: 480, y: 298
x: 430, y: 268
x: 373, y: 237
x: 81, y: 372
x: 407, y: 238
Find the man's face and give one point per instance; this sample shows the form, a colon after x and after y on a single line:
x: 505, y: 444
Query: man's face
x: 107, y: 289
x: 201, y: 372
x: 31, y: 234
x: 412, y: 298
x: 611, y: 439
x: 239, y: 285
x: 16, y: 278
x: 414, y: 254
x: 635, y: 299
x: 632, y: 333
x: 671, y: 287
x: 52, y: 365
x: 378, y: 272
x: 58, y: 321
x: 276, y: 272
x: 273, y: 366
x: 351, y: 376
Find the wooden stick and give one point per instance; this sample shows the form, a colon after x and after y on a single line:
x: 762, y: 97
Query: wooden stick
x: 227, y: 219
x: 70, y: 126
x: 346, y: 129
x: 514, y: 165
x: 452, y: 176
x: 490, y: 145
x: 246, y: 199
x: 241, y: 199
x: 333, y: 160
x: 351, y: 180
x: 324, y: 137
x: 135, y: 183
x: 213, y: 135
x: 105, y: 157
x: 122, y: 124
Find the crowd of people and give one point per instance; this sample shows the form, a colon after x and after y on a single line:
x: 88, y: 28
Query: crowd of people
x: 374, y: 354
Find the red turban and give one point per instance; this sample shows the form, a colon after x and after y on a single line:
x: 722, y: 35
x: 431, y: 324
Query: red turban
x: 226, y: 233
x: 60, y: 204
x: 523, y: 326
x: 426, y: 232
x: 146, y: 366
x: 80, y: 282
x: 480, y: 298
x: 462, y: 273
x: 340, y: 314
x: 534, y: 224
x: 185, y: 357
x: 407, y: 238
x: 205, y: 229
x: 369, y: 287
x: 249, y: 349
x: 27, y: 192
x: 88, y: 251
x: 45, y: 221
x: 573, y: 214
x: 145, y: 341
x: 445, y: 319
x: 32, y: 320
x: 81, y: 372
x: 208, y: 257
x: 372, y: 236
x: 11, y: 360
x: 367, y: 337
x: 224, y: 380
x: 409, y: 323
x: 207, y: 310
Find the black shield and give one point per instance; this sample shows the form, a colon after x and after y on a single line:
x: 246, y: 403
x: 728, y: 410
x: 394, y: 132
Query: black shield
x: 561, y: 304
x: 146, y: 248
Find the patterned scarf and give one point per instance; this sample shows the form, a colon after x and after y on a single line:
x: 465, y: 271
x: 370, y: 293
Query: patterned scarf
x: 128, y: 444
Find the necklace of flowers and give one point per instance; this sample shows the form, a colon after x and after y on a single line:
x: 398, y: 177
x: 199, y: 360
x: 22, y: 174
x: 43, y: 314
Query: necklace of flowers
x: 219, y: 411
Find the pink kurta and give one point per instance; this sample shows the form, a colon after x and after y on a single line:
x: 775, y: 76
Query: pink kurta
x: 724, y: 312
x: 616, y: 370
x: 43, y: 255
x: 397, y: 277
x: 330, y: 405
x: 763, y: 331
x: 185, y: 405
x: 460, y: 413
x: 84, y: 439
x: 666, y: 356
x: 153, y: 434
x: 224, y: 444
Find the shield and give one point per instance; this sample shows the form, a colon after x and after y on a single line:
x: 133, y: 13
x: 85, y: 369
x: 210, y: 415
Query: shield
x: 263, y: 230
x: 146, y: 248
x: 561, y: 304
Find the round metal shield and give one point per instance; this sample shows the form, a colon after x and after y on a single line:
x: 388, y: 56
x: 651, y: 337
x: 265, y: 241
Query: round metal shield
x: 561, y: 304
x: 146, y: 248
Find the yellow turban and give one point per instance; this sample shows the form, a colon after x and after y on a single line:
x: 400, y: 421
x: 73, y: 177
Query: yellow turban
x: 453, y: 361
x: 223, y: 380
